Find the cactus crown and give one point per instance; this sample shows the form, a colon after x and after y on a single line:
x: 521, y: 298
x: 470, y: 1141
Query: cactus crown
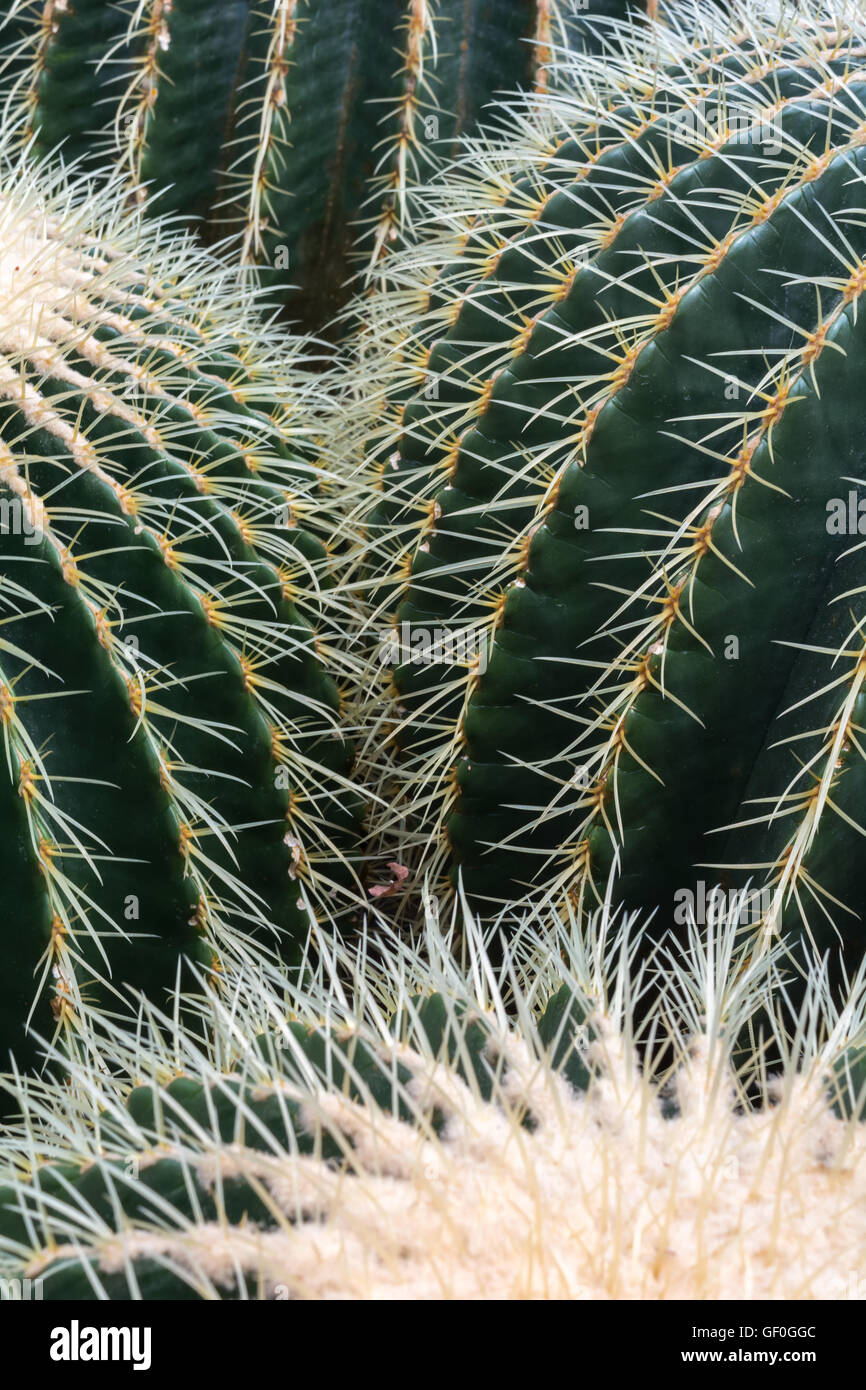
x: 283, y: 1159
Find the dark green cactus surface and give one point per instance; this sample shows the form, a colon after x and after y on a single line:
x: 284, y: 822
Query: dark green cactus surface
x: 630, y: 483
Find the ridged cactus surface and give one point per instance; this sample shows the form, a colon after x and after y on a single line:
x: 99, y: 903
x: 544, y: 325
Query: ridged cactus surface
x: 619, y: 586
x: 289, y: 122
x: 173, y: 781
x: 546, y: 590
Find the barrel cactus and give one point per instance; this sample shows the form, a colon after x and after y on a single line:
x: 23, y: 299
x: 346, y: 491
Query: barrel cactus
x: 286, y: 121
x: 614, y: 560
x: 174, y: 783
x: 429, y: 1134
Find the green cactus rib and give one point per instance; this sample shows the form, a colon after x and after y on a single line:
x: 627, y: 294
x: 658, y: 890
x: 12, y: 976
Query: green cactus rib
x: 458, y: 56
x: 289, y: 122
x: 69, y: 72
x: 301, y: 145
x: 611, y: 489
x: 174, y: 782
x: 173, y: 117
x: 208, y: 1153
